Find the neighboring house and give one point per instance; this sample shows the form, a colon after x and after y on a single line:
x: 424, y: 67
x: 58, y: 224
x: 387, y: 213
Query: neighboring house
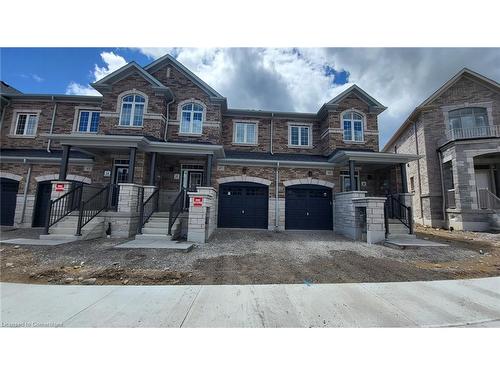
x: 457, y: 131
x: 159, y: 139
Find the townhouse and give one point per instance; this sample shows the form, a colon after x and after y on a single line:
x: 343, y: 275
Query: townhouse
x: 457, y: 132
x: 160, y: 153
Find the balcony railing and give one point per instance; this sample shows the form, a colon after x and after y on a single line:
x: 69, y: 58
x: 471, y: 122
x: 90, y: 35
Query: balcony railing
x: 476, y: 132
x: 488, y: 200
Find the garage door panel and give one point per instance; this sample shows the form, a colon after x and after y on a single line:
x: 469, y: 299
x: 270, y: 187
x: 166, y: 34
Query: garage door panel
x: 308, y: 207
x: 243, y: 205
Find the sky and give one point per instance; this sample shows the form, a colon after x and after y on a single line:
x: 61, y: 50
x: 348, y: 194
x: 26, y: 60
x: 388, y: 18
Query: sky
x: 281, y: 79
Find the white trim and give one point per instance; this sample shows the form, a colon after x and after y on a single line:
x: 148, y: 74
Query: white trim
x: 119, y: 108
x: 243, y: 178
x: 55, y: 176
x: 76, y: 117
x: 300, y: 125
x: 15, y: 120
x: 256, y: 131
x: 10, y: 176
x: 179, y: 115
x: 308, y: 181
x: 364, y: 126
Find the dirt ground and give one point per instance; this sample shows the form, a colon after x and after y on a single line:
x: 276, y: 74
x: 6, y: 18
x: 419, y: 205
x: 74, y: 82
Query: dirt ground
x: 252, y: 257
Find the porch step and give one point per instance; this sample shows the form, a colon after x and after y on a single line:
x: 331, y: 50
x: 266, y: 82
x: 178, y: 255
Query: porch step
x: 157, y: 227
x: 409, y: 241
x: 66, y: 229
x: 398, y: 228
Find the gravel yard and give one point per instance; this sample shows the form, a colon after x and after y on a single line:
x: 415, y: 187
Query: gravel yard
x: 251, y: 257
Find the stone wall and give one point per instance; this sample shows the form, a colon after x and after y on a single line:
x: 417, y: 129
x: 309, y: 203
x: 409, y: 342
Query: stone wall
x: 202, y: 219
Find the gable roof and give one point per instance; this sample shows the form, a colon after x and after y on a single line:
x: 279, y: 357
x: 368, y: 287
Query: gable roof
x: 168, y: 59
x: 355, y: 89
x: 8, y: 89
x: 125, y: 71
x: 465, y: 72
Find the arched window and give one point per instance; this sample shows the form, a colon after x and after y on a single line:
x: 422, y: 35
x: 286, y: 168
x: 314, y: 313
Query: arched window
x: 191, y: 118
x: 132, y: 111
x: 468, y: 118
x: 353, y: 123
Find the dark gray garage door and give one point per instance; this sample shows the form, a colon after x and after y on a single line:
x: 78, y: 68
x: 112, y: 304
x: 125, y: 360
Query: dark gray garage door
x: 8, y: 193
x: 308, y: 207
x: 243, y: 205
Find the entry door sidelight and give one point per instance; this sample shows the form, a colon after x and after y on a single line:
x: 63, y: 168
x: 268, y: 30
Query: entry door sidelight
x: 120, y: 175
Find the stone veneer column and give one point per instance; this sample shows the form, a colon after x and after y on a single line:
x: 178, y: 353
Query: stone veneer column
x: 202, y: 220
x: 375, y: 223
x: 345, y: 213
x: 128, y: 197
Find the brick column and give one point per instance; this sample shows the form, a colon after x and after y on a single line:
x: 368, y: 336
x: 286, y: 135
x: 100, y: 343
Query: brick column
x: 202, y: 219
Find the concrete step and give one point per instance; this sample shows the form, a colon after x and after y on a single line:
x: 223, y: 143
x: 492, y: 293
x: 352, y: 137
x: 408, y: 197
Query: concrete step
x: 165, y: 237
x: 154, y: 230
x: 156, y: 224
x: 409, y: 241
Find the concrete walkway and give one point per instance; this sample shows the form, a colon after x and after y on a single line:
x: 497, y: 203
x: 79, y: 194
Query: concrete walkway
x: 413, y: 304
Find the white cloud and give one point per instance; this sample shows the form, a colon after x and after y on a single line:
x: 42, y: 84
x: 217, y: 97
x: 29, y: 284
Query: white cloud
x: 112, y: 62
x: 294, y: 80
x: 37, y: 78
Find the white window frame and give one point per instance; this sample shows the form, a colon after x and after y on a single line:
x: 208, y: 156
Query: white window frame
x: 363, y: 126
x: 90, y: 111
x: 192, y: 111
x: 132, y: 112
x: 245, y: 141
x: 28, y: 114
x: 300, y: 126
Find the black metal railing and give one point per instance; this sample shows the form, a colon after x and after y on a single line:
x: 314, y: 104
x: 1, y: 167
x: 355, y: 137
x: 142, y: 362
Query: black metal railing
x: 63, y: 206
x: 394, y: 209
x: 147, y: 208
x: 176, y: 208
x: 91, y: 207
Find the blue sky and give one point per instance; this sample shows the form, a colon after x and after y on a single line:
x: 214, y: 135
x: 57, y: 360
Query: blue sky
x: 281, y: 79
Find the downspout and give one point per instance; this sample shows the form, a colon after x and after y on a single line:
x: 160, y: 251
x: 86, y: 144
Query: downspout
x: 168, y: 115
x: 271, y: 136
x: 418, y: 174
x: 4, y: 108
x: 440, y: 157
x: 276, y: 199
x: 52, y: 123
x: 25, y: 194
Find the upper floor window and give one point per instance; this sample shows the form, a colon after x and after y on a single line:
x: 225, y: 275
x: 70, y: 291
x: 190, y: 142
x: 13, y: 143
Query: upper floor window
x: 353, y: 126
x: 245, y: 133
x: 299, y: 135
x: 26, y: 124
x: 132, y: 111
x: 467, y: 118
x: 191, y: 118
x: 88, y: 121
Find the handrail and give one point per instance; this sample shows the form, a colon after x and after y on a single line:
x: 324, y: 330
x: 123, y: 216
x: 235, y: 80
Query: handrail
x: 62, y: 206
x: 176, y: 208
x: 397, y: 210
x: 488, y: 200
x: 147, y: 208
x: 92, y: 207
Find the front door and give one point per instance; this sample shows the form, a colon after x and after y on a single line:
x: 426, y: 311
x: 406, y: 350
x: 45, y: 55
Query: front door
x: 120, y: 175
x: 190, y: 181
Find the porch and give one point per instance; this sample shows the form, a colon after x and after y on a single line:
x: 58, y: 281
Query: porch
x: 139, y: 186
